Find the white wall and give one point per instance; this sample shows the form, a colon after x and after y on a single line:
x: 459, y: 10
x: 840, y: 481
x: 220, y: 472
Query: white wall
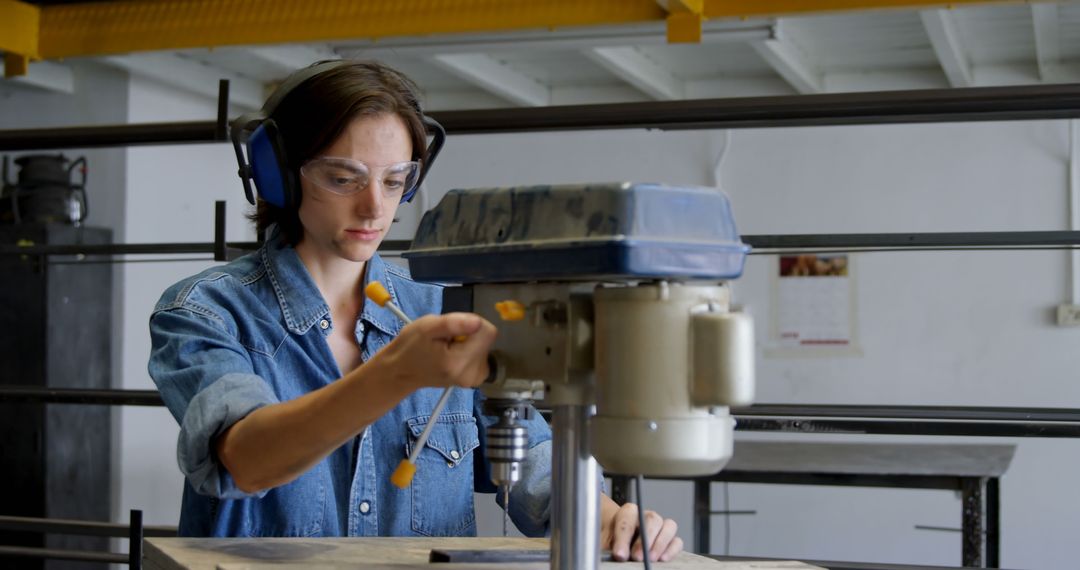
x: 936, y: 328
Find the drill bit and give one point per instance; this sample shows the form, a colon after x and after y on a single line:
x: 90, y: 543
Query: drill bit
x: 506, y: 509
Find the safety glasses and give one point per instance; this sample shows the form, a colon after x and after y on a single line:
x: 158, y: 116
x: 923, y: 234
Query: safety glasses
x: 345, y: 176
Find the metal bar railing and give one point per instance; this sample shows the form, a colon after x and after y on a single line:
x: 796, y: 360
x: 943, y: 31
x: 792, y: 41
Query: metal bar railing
x: 61, y: 554
x: 80, y: 527
x: 880, y: 107
x: 134, y: 532
x: 796, y: 418
x: 150, y: 248
x: 762, y: 244
x: 44, y: 395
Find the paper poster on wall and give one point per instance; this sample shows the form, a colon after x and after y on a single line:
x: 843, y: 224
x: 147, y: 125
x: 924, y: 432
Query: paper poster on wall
x: 813, y: 302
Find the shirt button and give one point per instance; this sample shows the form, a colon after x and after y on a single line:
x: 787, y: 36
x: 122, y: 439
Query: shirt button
x: 360, y: 326
x: 455, y: 454
x: 365, y: 507
x: 450, y: 464
x: 324, y: 324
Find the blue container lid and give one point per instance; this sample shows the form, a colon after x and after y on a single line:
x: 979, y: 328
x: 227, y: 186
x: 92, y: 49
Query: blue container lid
x: 592, y: 232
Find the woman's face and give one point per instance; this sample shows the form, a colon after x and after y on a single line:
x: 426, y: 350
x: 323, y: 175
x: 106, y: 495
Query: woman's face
x: 352, y: 226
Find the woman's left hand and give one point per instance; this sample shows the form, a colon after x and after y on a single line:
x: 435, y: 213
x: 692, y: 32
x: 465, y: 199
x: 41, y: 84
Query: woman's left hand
x: 620, y: 527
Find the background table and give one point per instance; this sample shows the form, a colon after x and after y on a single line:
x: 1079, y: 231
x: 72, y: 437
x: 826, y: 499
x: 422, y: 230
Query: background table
x: 973, y: 470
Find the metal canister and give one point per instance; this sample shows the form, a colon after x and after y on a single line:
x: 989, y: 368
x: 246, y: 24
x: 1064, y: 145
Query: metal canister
x: 45, y: 191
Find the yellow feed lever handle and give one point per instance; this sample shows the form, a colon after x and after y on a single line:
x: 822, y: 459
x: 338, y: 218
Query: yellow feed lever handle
x: 376, y: 292
x: 510, y: 310
x: 403, y: 475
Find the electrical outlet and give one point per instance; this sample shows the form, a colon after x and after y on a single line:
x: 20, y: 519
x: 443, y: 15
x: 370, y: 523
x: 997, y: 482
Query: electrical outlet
x: 1068, y: 315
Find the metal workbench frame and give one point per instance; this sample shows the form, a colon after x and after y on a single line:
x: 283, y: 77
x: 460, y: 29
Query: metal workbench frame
x: 980, y: 503
x: 790, y: 418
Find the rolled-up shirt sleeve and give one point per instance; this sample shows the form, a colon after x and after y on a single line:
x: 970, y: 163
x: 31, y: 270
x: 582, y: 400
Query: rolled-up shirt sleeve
x: 530, y: 498
x: 207, y: 381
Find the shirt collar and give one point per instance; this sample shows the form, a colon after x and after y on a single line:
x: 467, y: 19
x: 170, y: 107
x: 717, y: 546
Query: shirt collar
x: 301, y: 302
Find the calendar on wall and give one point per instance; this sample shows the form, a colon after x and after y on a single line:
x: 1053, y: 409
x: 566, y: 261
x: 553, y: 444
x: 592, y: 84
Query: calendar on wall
x: 813, y: 303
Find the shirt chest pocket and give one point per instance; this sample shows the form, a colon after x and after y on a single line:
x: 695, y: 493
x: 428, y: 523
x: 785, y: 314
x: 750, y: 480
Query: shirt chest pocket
x: 442, y: 489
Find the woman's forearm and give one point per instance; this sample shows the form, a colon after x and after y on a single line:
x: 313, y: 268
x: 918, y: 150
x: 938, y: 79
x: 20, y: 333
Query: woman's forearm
x: 276, y: 444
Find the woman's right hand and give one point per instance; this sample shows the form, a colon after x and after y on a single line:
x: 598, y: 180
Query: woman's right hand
x: 440, y: 350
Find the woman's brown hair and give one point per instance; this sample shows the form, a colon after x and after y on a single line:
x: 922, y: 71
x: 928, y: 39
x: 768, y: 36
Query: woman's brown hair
x: 315, y: 113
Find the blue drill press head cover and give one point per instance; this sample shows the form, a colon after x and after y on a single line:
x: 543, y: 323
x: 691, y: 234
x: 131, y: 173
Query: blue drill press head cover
x: 594, y: 232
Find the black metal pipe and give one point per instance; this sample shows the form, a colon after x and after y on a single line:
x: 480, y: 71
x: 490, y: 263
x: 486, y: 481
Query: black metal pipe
x: 110, y: 135
x: 135, y: 539
x: 80, y: 396
x: 879, y: 107
x: 844, y: 242
x: 152, y: 248
x: 58, y: 554
x: 222, y: 131
x: 220, y: 248
x: 79, y: 527
x: 117, y: 248
x: 951, y: 413
x: 915, y: 240
x: 993, y: 523
x: 908, y: 427
x: 899, y: 420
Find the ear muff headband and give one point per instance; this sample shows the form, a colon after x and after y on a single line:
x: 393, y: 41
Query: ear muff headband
x: 437, y: 139
x: 265, y: 164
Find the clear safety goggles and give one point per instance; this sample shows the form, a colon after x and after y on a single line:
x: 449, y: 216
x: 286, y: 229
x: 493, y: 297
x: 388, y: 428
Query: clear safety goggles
x: 345, y: 176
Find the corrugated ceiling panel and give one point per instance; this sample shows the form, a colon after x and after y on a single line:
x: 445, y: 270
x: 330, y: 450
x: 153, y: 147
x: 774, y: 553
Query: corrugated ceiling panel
x: 996, y: 35
x: 871, y: 41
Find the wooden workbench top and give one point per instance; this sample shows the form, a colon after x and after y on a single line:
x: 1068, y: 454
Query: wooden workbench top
x: 376, y: 553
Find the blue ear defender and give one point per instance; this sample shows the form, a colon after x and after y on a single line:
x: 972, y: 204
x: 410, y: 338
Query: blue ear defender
x: 263, y: 168
x: 269, y: 169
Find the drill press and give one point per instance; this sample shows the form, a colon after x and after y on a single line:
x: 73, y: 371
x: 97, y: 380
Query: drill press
x: 614, y: 312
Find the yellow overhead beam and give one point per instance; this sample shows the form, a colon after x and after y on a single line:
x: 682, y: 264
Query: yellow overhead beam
x: 125, y: 26
x: 684, y: 21
x: 757, y: 8
x: 19, y: 25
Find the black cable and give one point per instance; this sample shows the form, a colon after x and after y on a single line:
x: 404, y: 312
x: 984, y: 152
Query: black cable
x: 639, y: 483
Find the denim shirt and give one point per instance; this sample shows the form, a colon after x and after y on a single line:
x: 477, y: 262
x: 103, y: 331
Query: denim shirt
x: 254, y: 332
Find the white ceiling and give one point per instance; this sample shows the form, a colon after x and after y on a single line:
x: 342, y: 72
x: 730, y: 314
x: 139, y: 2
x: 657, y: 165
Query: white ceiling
x: 852, y: 51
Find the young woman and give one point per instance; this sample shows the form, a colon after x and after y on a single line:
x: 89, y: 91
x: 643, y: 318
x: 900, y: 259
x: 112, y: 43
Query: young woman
x: 296, y: 398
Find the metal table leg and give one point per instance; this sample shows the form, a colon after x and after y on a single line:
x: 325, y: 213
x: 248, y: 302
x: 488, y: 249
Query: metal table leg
x: 702, y: 515
x: 972, y: 504
x: 993, y: 523
x: 135, y: 538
